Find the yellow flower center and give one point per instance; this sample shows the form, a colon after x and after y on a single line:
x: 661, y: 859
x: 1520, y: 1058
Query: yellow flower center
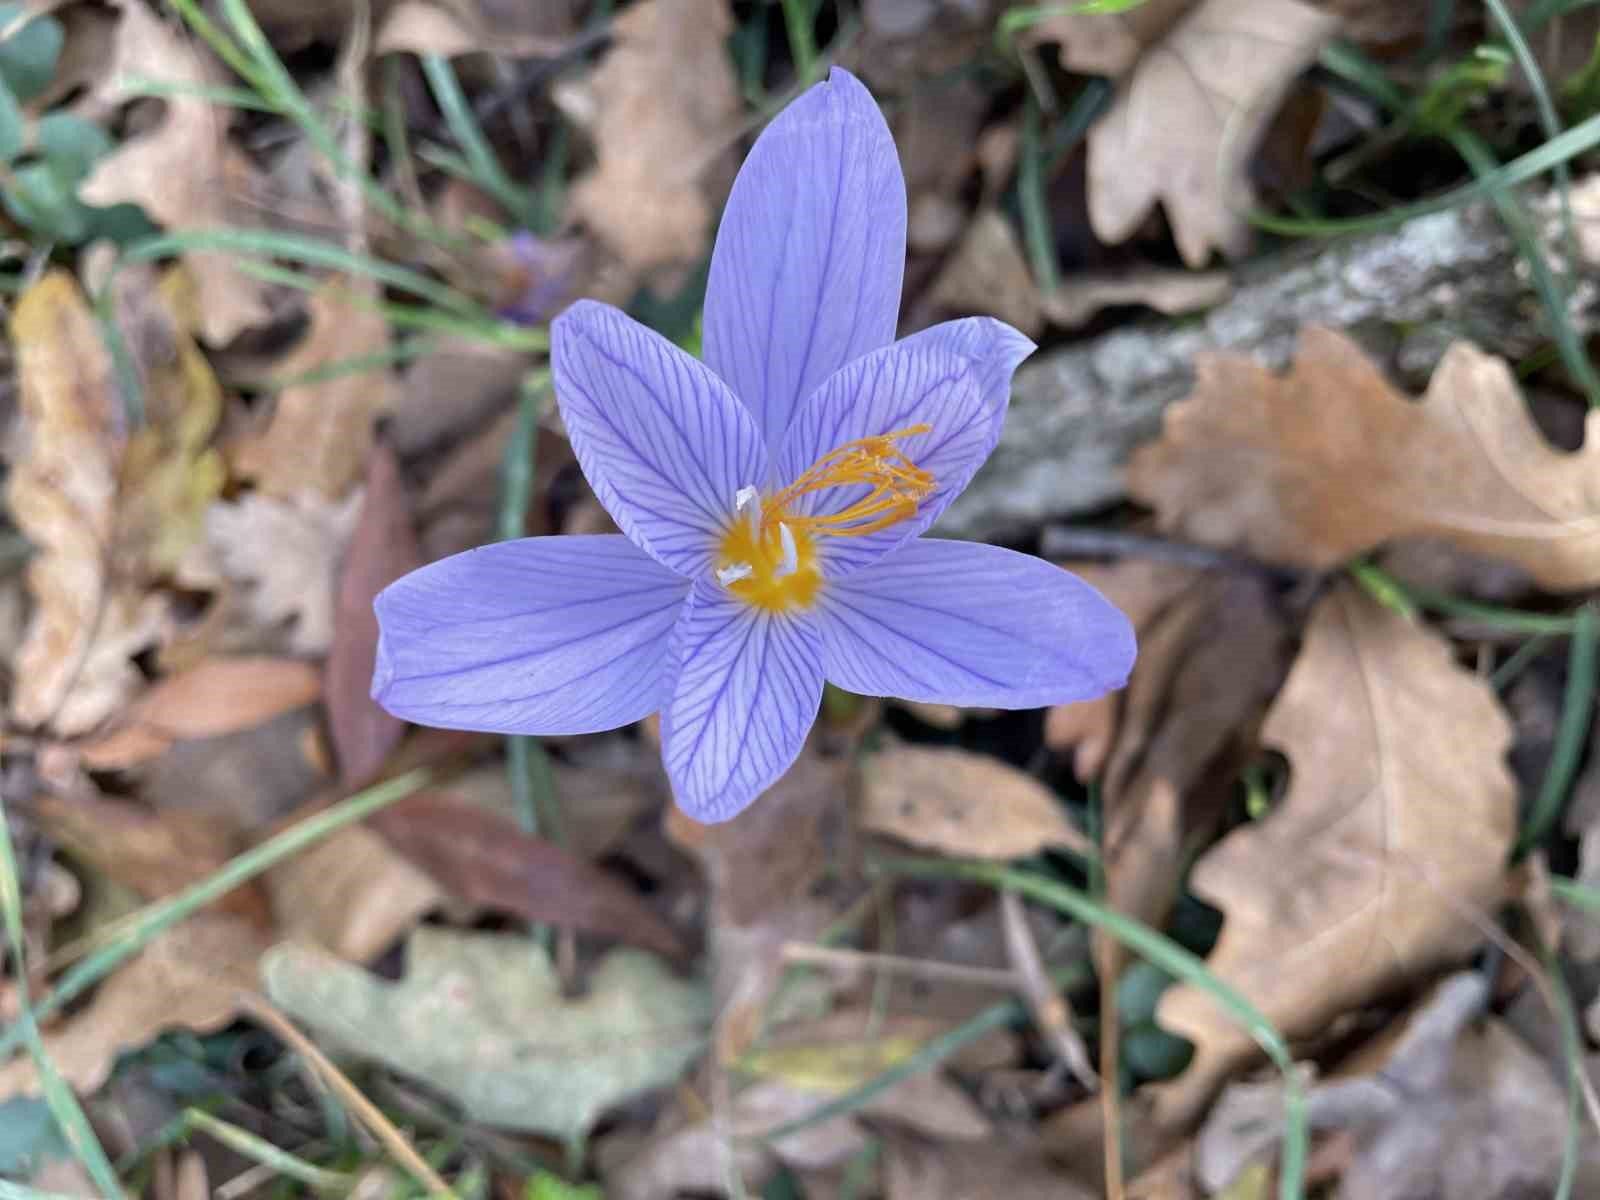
x: 768, y: 556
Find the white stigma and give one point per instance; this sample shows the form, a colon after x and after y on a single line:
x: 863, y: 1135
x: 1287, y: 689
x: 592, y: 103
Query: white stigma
x: 733, y: 572
x: 791, y: 552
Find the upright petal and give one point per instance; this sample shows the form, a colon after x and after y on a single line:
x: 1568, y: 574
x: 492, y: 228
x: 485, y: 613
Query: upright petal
x: 550, y: 635
x: 995, y: 348
x: 808, y: 262
x: 662, y: 441
x: 968, y: 624
x: 748, y: 689
x: 895, y: 388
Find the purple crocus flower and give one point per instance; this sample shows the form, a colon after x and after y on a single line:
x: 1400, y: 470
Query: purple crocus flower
x: 770, y: 501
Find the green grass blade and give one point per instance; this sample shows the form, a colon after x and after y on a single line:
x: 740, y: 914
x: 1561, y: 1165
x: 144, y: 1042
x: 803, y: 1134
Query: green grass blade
x: 63, y: 1105
x: 138, y: 929
x: 1577, y: 707
x: 487, y: 172
x: 1036, y: 228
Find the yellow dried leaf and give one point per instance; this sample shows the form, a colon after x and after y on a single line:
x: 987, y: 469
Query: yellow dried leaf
x: 1327, y: 461
x: 957, y: 802
x: 1395, y: 828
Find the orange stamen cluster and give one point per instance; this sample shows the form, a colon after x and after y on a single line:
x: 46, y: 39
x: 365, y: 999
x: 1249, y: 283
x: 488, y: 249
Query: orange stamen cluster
x: 770, y: 560
x: 898, y: 486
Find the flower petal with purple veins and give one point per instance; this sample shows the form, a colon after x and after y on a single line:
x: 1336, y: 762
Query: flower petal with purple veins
x: 660, y: 438
x: 748, y: 687
x: 997, y: 350
x: 896, y: 388
x: 974, y: 625
x: 807, y: 267
x: 549, y: 635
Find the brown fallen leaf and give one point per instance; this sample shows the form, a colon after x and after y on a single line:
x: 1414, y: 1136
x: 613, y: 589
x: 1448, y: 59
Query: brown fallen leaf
x: 320, y: 435
x: 110, y: 511
x: 352, y: 894
x: 1327, y: 461
x: 1185, y: 123
x: 1449, y: 1102
x: 917, y: 1170
x: 452, y: 28
x: 988, y: 273
x: 156, y: 854
x: 1396, y: 825
x: 218, y: 695
x: 484, y: 859
x: 182, y: 172
x: 288, y: 553
x: 763, y: 868
x: 383, y: 548
x: 1105, y: 43
x: 664, y: 90
x: 957, y: 802
x: 189, y: 977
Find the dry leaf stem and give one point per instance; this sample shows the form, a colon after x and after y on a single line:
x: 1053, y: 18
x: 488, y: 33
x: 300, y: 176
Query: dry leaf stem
x: 365, y: 1110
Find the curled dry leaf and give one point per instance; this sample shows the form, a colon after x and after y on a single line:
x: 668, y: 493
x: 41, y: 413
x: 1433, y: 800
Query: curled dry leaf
x: 287, y: 553
x: 460, y: 1019
x: 183, y: 172
x: 960, y: 803
x: 666, y: 87
x: 189, y: 977
x: 320, y: 434
x: 483, y: 858
x: 110, y: 511
x: 1327, y: 461
x: 1395, y: 828
x: 217, y: 695
x: 383, y: 548
x: 1451, y: 1103
x: 1185, y: 123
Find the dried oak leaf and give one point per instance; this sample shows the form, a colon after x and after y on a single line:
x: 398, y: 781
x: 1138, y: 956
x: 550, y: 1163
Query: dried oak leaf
x: 1187, y: 120
x: 287, y: 552
x: 482, y: 1018
x: 957, y: 802
x: 1327, y: 461
x: 321, y: 433
x: 665, y: 88
x: 183, y: 172
x: 1395, y: 826
x: 1105, y: 43
x: 190, y: 977
x: 109, y: 511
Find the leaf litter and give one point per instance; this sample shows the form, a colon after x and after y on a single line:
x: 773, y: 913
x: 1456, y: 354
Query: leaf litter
x: 1305, y: 782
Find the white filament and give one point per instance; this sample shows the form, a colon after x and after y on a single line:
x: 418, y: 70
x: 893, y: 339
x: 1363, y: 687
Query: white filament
x: 733, y: 572
x: 791, y: 552
x: 744, y: 498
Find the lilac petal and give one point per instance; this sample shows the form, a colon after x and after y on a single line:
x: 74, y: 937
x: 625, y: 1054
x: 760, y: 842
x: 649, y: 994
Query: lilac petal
x: 747, y: 691
x: 549, y: 635
x: 662, y: 441
x: 807, y: 267
x: 935, y: 379
x: 969, y: 624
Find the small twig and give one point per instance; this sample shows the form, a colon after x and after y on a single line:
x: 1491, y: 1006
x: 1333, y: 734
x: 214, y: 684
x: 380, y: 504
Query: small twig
x: 1074, y: 541
x: 367, y: 1112
x: 812, y: 955
x: 352, y: 75
x: 1051, y: 1011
